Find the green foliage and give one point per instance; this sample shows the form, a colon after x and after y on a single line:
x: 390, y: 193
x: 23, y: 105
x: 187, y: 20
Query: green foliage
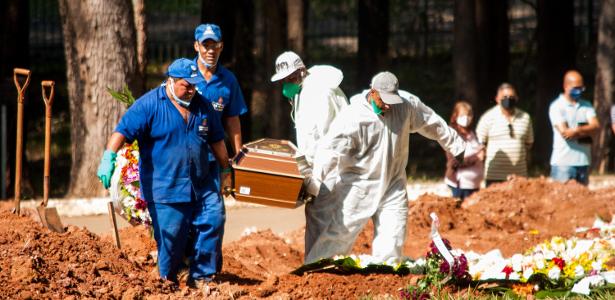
x: 125, y: 95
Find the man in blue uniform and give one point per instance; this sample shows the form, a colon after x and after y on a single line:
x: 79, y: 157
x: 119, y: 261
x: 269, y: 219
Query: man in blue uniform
x: 220, y: 87
x: 176, y: 131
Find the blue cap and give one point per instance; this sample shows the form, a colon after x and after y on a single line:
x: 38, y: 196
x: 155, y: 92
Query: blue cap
x: 185, y: 69
x: 207, y: 31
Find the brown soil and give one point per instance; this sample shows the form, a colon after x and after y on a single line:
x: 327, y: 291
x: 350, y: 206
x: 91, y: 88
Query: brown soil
x: 513, y: 216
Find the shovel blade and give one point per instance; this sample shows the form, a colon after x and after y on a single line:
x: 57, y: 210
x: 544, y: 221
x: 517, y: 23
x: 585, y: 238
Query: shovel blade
x: 50, y: 218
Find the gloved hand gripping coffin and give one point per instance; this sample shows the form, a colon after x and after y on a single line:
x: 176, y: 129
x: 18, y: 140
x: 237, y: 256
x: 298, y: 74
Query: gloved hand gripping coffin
x: 266, y: 173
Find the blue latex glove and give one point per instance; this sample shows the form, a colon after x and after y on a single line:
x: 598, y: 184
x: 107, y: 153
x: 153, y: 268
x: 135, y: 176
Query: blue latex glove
x: 105, y: 169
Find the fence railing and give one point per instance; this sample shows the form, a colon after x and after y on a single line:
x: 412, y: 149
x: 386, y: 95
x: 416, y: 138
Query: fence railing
x: 417, y: 28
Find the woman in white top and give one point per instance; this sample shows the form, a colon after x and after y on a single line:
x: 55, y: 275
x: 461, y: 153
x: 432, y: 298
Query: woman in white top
x: 465, y: 178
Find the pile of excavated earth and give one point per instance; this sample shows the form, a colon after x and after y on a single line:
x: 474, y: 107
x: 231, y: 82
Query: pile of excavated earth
x: 512, y: 216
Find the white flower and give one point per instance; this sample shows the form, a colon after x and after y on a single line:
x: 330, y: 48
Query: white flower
x: 578, y: 271
x: 597, y: 265
x: 516, y: 262
x: 528, y: 272
x: 549, y: 254
x: 540, y: 264
x: 554, y: 273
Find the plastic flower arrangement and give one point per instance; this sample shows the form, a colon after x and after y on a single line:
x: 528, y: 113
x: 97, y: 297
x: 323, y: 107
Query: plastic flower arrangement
x: 126, y: 189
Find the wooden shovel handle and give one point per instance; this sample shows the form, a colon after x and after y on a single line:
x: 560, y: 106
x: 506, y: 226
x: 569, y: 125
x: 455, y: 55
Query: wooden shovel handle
x: 48, y: 97
x: 21, y: 88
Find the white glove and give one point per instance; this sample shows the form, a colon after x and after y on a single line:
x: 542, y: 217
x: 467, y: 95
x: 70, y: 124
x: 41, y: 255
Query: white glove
x: 312, y: 186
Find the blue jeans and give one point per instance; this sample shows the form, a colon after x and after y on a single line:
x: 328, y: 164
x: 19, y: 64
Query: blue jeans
x: 565, y: 173
x: 461, y: 193
x: 204, y: 217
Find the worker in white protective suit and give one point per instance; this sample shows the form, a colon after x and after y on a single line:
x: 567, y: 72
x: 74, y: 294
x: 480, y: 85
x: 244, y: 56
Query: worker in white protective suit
x: 316, y: 100
x: 366, y: 149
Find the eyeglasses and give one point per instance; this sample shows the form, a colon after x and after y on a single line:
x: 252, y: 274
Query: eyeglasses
x: 511, y: 130
x: 212, y: 46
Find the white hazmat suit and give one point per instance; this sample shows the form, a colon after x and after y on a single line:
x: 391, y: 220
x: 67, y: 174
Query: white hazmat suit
x: 316, y: 106
x: 367, y: 154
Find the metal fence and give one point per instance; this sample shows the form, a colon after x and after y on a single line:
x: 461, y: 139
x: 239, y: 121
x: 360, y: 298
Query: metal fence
x: 418, y: 28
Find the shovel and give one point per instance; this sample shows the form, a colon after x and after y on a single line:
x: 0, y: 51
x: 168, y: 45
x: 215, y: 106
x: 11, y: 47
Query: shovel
x: 19, y: 139
x: 48, y: 215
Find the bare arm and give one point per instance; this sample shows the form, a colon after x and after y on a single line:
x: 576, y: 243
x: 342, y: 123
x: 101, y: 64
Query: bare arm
x: 589, y: 129
x: 116, y: 141
x: 580, y: 131
x: 219, y: 150
x: 613, y: 127
x: 232, y: 125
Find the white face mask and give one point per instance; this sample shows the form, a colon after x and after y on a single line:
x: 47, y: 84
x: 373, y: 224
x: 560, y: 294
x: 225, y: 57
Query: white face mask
x: 463, y: 121
x: 181, y: 102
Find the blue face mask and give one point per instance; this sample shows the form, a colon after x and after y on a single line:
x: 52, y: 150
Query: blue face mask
x: 576, y: 93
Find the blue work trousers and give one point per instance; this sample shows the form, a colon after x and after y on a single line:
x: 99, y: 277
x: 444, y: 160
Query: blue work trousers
x: 214, y: 172
x: 204, y: 217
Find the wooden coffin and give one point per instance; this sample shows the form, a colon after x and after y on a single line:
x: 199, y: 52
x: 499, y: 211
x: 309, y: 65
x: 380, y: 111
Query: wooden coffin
x: 266, y: 173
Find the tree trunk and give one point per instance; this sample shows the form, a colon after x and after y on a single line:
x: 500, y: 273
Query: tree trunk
x: 141, y: 31
x: 493, y: 53
x: 556, y: 54
x: 296, y: 32
x: 277, y: 114
x: 14, y: 30
x: 604, y: 89
x: 101, y: 51
x: 464, y: 52
x: 373, y: 39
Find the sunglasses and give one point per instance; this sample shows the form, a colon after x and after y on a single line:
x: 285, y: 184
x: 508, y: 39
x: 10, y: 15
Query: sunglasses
x: 511, y: 130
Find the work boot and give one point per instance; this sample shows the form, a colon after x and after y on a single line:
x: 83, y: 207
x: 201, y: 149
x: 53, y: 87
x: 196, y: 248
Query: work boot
x: 201, y: 284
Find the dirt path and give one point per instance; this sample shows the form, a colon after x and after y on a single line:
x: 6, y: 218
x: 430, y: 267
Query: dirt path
x: 238, y: 220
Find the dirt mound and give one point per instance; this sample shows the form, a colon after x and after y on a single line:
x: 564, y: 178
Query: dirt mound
x: 35, y: 262
x: 261, y: 255
x: 511, y: 216
x: 138, y: 243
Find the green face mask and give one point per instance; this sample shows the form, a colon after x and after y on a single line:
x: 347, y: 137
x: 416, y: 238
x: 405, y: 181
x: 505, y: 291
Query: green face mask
x: 289, y: 89
x: 375, y: 107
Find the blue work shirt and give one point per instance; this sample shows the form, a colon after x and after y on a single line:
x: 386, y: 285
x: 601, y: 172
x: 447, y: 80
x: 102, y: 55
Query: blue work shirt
x: 223, y: 91
x: 173, y: 154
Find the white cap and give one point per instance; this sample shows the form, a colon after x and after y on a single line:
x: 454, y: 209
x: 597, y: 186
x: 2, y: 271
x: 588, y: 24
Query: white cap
x: 287, y: 63
x: 387, y: 86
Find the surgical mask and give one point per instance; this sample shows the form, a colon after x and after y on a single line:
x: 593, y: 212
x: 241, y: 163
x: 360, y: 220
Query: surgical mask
x: 509, y: 102
x: 181, y: 102
x: 209, y: 66
x: 375, y: 107
x: 463, y: 121
x: 290, y: 90
x: 576, y: 93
